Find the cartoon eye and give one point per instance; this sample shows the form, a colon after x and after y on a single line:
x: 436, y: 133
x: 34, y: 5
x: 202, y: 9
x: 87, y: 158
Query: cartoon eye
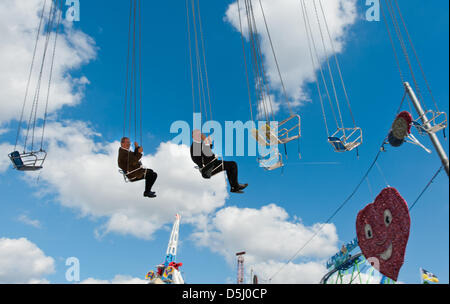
x: 387, y: 217
x: 368, y: 230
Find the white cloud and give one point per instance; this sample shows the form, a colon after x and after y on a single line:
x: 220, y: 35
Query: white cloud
x: 287, y: 30
x: 269, y: 239
x: 21, y: 262
x: 5, y: 162
x: 19, y: 22
x: 83, y: 174
x: 24, y: 218
x: 118, y: 279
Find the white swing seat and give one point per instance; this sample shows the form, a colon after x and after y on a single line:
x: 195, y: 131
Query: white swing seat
x: 126, y: 178
x: 28, y: 161
x: 437, y: 123
x: 272, y: 163
x: 346, y: 142
x: 265, y: 136
x: 287, y: 132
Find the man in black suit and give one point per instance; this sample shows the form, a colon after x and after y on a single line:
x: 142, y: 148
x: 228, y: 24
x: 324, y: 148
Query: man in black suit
x: 210, y: 165
x: 130, y: 163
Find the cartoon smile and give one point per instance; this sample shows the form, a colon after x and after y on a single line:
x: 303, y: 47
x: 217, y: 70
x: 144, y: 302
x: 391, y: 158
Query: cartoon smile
x: 387, y: 254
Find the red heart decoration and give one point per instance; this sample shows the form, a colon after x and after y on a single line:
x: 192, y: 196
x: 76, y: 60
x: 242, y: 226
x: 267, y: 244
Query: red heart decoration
x: 382, y: 228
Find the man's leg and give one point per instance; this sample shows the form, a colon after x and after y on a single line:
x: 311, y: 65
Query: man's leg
x: 232, y: 173
x: 150, y: 180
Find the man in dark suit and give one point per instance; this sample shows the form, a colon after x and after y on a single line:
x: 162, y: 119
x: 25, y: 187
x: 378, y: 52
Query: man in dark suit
x: 130, y: 163
x: 210, y: 165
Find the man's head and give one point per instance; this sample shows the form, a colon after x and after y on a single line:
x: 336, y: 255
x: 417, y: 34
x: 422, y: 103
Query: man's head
x: 125, y: 143
x: 197, y: 135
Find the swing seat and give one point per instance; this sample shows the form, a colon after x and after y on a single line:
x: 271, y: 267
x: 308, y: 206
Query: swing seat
x: 127, y: 179
x: 346, y: 142
x: 272, y: 163
x: 265, y: 136
x: 288, y: 130
x: 437, y: 123
x: 29, y: 161
x: 208, y: 169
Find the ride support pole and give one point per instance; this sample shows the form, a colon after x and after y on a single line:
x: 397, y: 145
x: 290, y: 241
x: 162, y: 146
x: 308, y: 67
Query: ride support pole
x: 434, y: 139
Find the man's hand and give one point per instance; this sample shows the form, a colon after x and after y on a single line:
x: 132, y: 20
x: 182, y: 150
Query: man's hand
x: 136, y: 145
x: 208, y: 140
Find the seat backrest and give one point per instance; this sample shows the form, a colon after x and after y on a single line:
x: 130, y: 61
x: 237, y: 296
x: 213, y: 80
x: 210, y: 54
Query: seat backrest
x: 17, y: 160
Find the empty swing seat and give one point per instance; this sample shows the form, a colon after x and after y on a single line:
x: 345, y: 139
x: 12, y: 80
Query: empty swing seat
x: 31, y: 161
x: 337, y: 144
x: 284, y: 132
x: 271, y: 163
x: 437, y: 123
x: 342, y: 144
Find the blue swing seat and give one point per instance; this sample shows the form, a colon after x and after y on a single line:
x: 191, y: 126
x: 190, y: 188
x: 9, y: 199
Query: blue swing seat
x: 346, y: 139
x: 337, y: 144
x: 28, y: 161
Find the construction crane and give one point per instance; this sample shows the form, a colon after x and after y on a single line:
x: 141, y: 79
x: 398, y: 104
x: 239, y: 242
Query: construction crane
x: 169, y: 272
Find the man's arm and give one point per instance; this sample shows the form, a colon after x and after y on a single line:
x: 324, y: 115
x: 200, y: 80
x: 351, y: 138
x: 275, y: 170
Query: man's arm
x: 138, y: 151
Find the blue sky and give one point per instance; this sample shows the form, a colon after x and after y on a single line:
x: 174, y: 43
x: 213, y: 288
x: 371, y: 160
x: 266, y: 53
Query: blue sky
x: 307, y: 191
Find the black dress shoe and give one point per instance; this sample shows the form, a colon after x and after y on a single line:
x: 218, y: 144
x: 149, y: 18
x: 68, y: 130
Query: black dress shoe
x: 236, y: 190
x: 242, y: 186
x: 150, y: 194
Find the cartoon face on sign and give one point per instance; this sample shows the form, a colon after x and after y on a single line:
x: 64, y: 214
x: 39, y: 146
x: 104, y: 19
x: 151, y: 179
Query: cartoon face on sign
x: 383, y: 231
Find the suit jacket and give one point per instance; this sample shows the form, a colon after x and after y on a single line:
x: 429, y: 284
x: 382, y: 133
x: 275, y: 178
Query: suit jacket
x: 130, y: 163
x: 201, y: 154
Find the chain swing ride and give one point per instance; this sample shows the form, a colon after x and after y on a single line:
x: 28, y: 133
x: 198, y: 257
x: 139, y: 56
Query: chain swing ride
x: 266, y: 135
x: 132, y: 113
x: 344, y: 139
x: 33, y: 155
x: 387, y: 216
x: 201, y: 96
x: 429, y: 122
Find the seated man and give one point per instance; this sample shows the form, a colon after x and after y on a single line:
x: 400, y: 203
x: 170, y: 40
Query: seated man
x: 131, y: 165
x: 209, y: 165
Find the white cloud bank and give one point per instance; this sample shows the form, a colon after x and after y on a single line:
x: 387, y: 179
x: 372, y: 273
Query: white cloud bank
x: 287, y: 30
x: 19, y: 21
x: 22, y: 262
x: 270, y: 238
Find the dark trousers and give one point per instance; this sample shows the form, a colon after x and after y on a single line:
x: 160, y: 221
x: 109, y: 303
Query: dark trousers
x: 150, y: 179
x: 232, y: 171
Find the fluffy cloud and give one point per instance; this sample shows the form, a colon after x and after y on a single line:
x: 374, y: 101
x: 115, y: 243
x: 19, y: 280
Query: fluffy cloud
x: 5, y: 163
x: 269, y: 238
x: 19, y: 22
x: 82, y: 172
x: 288, y: 33
x: 22, y: 262
x: 118, y: 279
